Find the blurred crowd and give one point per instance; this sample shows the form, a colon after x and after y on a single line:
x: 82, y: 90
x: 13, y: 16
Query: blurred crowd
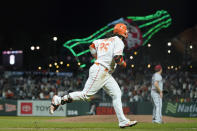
x: 179, y: 86
x: 37, y: 85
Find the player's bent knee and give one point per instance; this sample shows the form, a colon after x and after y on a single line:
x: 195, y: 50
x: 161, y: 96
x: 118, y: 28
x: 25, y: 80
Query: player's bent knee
x: 86, y: 97
x: 116, y: 96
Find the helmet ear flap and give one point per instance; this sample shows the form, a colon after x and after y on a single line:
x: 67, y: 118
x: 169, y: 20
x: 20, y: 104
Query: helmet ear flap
x: 126, y: 34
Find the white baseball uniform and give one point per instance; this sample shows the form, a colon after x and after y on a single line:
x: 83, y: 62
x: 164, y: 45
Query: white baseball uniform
x: 100, y: 75
x: 157, y: 100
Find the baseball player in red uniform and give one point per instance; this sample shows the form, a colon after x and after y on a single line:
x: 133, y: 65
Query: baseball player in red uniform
x: 108, y: 53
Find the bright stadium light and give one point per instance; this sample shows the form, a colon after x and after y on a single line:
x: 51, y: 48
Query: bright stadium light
x: 39, y: 68
x: 54, y: 38
x: 191, y: 47
x: 12, y: 59
x: 61, y: 62
x: 149, y: 45
x: 169, y: 43
x: 57, y: 71
x: 55, y: 63
x: 131, y: 57
x: 32, y: 48
x: 148, y: 65
x: 132, y: 66
x: 67, y: 65
x: 50, y: 65
x: 79, y: 63
x: 169, y: 51
x: 37, y: 47
x: 135, y: 53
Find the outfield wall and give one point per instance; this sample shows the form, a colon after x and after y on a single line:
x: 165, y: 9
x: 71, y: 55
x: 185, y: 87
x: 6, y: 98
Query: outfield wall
x: 145, y: 108
x: 169, y: 109
x: 41, y: 108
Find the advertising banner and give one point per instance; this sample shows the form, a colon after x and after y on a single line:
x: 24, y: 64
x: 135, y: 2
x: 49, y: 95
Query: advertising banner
x: 8, y: 107
x: 180, y: 109
x: 107, y: 109
x: 38, y: 108
x: 168, y: 108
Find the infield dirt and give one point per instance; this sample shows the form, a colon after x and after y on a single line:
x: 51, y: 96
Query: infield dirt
x: 112, y: 118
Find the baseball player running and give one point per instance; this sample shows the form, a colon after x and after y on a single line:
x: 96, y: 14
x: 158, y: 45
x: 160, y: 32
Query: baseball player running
x: 108, y: 53
x: 157, y: 94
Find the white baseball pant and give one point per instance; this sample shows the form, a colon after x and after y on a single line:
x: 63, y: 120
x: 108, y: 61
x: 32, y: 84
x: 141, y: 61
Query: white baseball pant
x: 100, y: 78
x: 157, y: 107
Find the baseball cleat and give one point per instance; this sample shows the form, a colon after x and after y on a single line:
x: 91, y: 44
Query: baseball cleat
x: 129, y: 124
x: 55, y: 102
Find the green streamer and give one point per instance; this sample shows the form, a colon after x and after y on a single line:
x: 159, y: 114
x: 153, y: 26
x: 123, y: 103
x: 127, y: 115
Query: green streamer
x: 150, y: 26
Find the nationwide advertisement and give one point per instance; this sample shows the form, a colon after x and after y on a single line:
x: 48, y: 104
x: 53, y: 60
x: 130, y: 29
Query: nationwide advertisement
x: 181, y: 109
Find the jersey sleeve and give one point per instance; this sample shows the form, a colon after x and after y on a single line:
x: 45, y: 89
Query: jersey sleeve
x: 118, y: 46
x: 96, y: 44
x: 157, y: 77
x: 92, y: 49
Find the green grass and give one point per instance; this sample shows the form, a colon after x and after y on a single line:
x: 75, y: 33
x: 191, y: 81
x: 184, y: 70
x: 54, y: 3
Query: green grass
x: 42, y: 124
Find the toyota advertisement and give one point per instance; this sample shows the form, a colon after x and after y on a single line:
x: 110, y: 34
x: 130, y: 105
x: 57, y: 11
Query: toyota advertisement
x: 38, y: 108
